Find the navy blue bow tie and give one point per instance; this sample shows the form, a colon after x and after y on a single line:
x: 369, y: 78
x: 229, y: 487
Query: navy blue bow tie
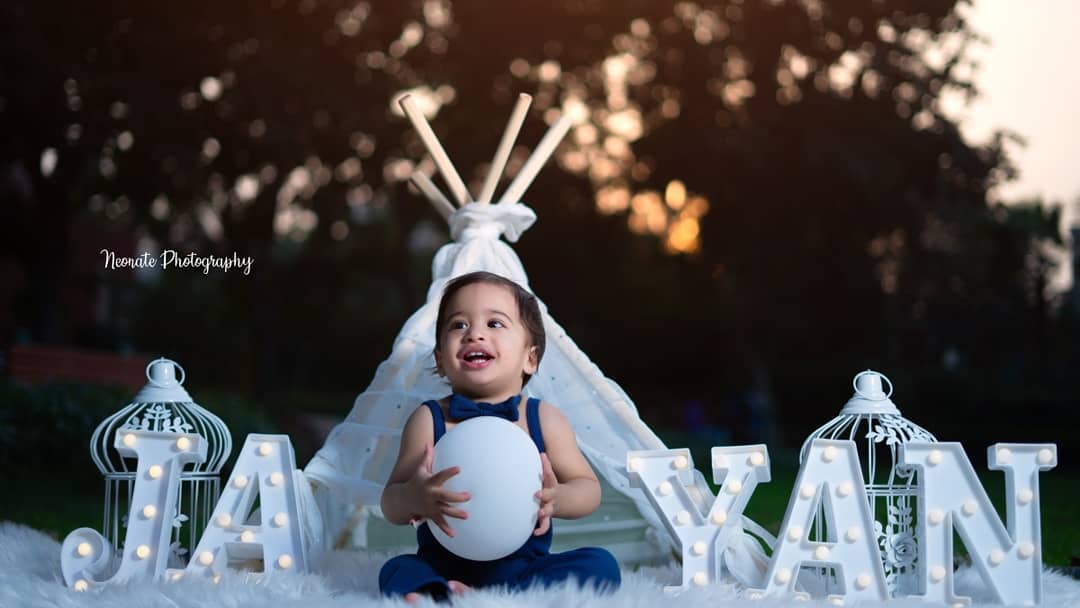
x: 463, y: 408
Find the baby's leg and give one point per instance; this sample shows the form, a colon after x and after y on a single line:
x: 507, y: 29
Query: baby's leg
x: 408, y: 575
x: 589, y: 566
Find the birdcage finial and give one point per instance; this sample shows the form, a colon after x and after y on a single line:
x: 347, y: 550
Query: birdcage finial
x: 162, y: 385
x: 870, y: 396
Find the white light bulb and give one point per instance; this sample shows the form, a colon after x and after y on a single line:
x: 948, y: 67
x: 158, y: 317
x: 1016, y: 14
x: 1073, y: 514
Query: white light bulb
x: 969, y: 508
x: 853, y: 534
x: 1045, y: 456
x: 154, y: 471
x: 719, y: 517
x: 845, y: 489
x: 206, y: 558
x: 836, y: 601
x: 247, y: 536
x: 935, y: 516
x: 281, y: 519
x: 783, y: 575
x: 142, y: 551
x: 680, y: 462
x: 807, y: 490
x: 224, y: 520
x: 937, y: 574
x: 699, y: 548
x: 284, y: 561
x: 84, y: 549
x: 276, y: 478
x: 996, y: 557
x: 265, y: 448
x: 635, y: 465
x: 802, y: 596
x: 239, y: 481
x: 733, y: 486
x: 149, y: 511
x: 183, y: 444
x: 821, y: 553
x: 665, y: 488
x: 177, y: 575
x: 863, y: 581
x: 701, y: 579
x: 1004, y: 455
x: 1025, y: 550
x: 682, y: 518
x: 794, y: 533
x: 129, y: 440
x: 757, y: 459
x: 1025, y: 496
x: 935, y: 457
x: 828, y: 454
x: 217, y: 578
x: 81, y: 585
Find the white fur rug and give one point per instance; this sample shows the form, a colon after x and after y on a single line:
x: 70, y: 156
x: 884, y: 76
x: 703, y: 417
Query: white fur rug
x: 30, y: 577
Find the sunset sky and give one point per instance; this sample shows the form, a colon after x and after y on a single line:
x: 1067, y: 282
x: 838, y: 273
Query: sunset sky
x: 1030, y: 84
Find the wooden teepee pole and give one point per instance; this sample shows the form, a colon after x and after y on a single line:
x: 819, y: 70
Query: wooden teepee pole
x: 539, y: 156
x: 502, y: 153
x: 438, y: 154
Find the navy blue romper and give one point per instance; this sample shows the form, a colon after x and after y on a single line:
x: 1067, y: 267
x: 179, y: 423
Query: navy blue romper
x: 533, y: 564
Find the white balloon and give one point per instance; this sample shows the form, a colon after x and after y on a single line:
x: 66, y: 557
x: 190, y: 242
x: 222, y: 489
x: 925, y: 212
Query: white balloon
x: 501, y: 471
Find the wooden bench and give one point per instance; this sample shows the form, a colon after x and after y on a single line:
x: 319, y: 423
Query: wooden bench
x: 34, y: 364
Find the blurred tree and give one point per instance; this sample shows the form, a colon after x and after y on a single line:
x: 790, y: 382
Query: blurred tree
x: 790, y: 160
x: 219, y: 130
x: 989, y: 308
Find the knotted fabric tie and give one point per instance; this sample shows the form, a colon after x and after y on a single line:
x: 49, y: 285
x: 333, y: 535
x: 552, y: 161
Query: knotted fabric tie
x: 463, y: 408
x: 484, y: 221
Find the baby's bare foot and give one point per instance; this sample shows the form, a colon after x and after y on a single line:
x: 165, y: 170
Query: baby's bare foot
x: 413, y: 598
x: 458, y: 587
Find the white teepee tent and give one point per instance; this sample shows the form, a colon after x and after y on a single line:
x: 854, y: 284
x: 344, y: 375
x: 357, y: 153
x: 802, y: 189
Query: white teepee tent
x: 348, y: 472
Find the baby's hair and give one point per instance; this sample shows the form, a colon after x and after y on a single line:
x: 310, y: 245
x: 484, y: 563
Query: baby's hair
x: 528, y: 309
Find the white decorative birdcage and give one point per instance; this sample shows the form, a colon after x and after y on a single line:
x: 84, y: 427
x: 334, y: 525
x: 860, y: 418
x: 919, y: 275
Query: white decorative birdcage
x: 163, y: 405
x: 875, y: 424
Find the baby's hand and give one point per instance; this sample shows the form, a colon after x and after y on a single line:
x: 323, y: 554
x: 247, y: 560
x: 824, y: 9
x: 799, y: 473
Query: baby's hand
x: 547, y: 496
x: 431, y: 498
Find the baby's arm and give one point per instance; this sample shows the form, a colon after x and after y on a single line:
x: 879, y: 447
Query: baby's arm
x: 571, y: 489
x: 413, y: 491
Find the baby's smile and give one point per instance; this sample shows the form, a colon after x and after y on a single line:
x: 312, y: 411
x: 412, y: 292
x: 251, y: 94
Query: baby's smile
x: 476, y: 358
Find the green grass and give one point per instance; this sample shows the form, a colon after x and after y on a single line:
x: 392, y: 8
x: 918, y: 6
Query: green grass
x: 52, y: 507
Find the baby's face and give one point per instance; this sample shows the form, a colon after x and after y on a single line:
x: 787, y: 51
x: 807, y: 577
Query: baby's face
x: 484, y: 347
